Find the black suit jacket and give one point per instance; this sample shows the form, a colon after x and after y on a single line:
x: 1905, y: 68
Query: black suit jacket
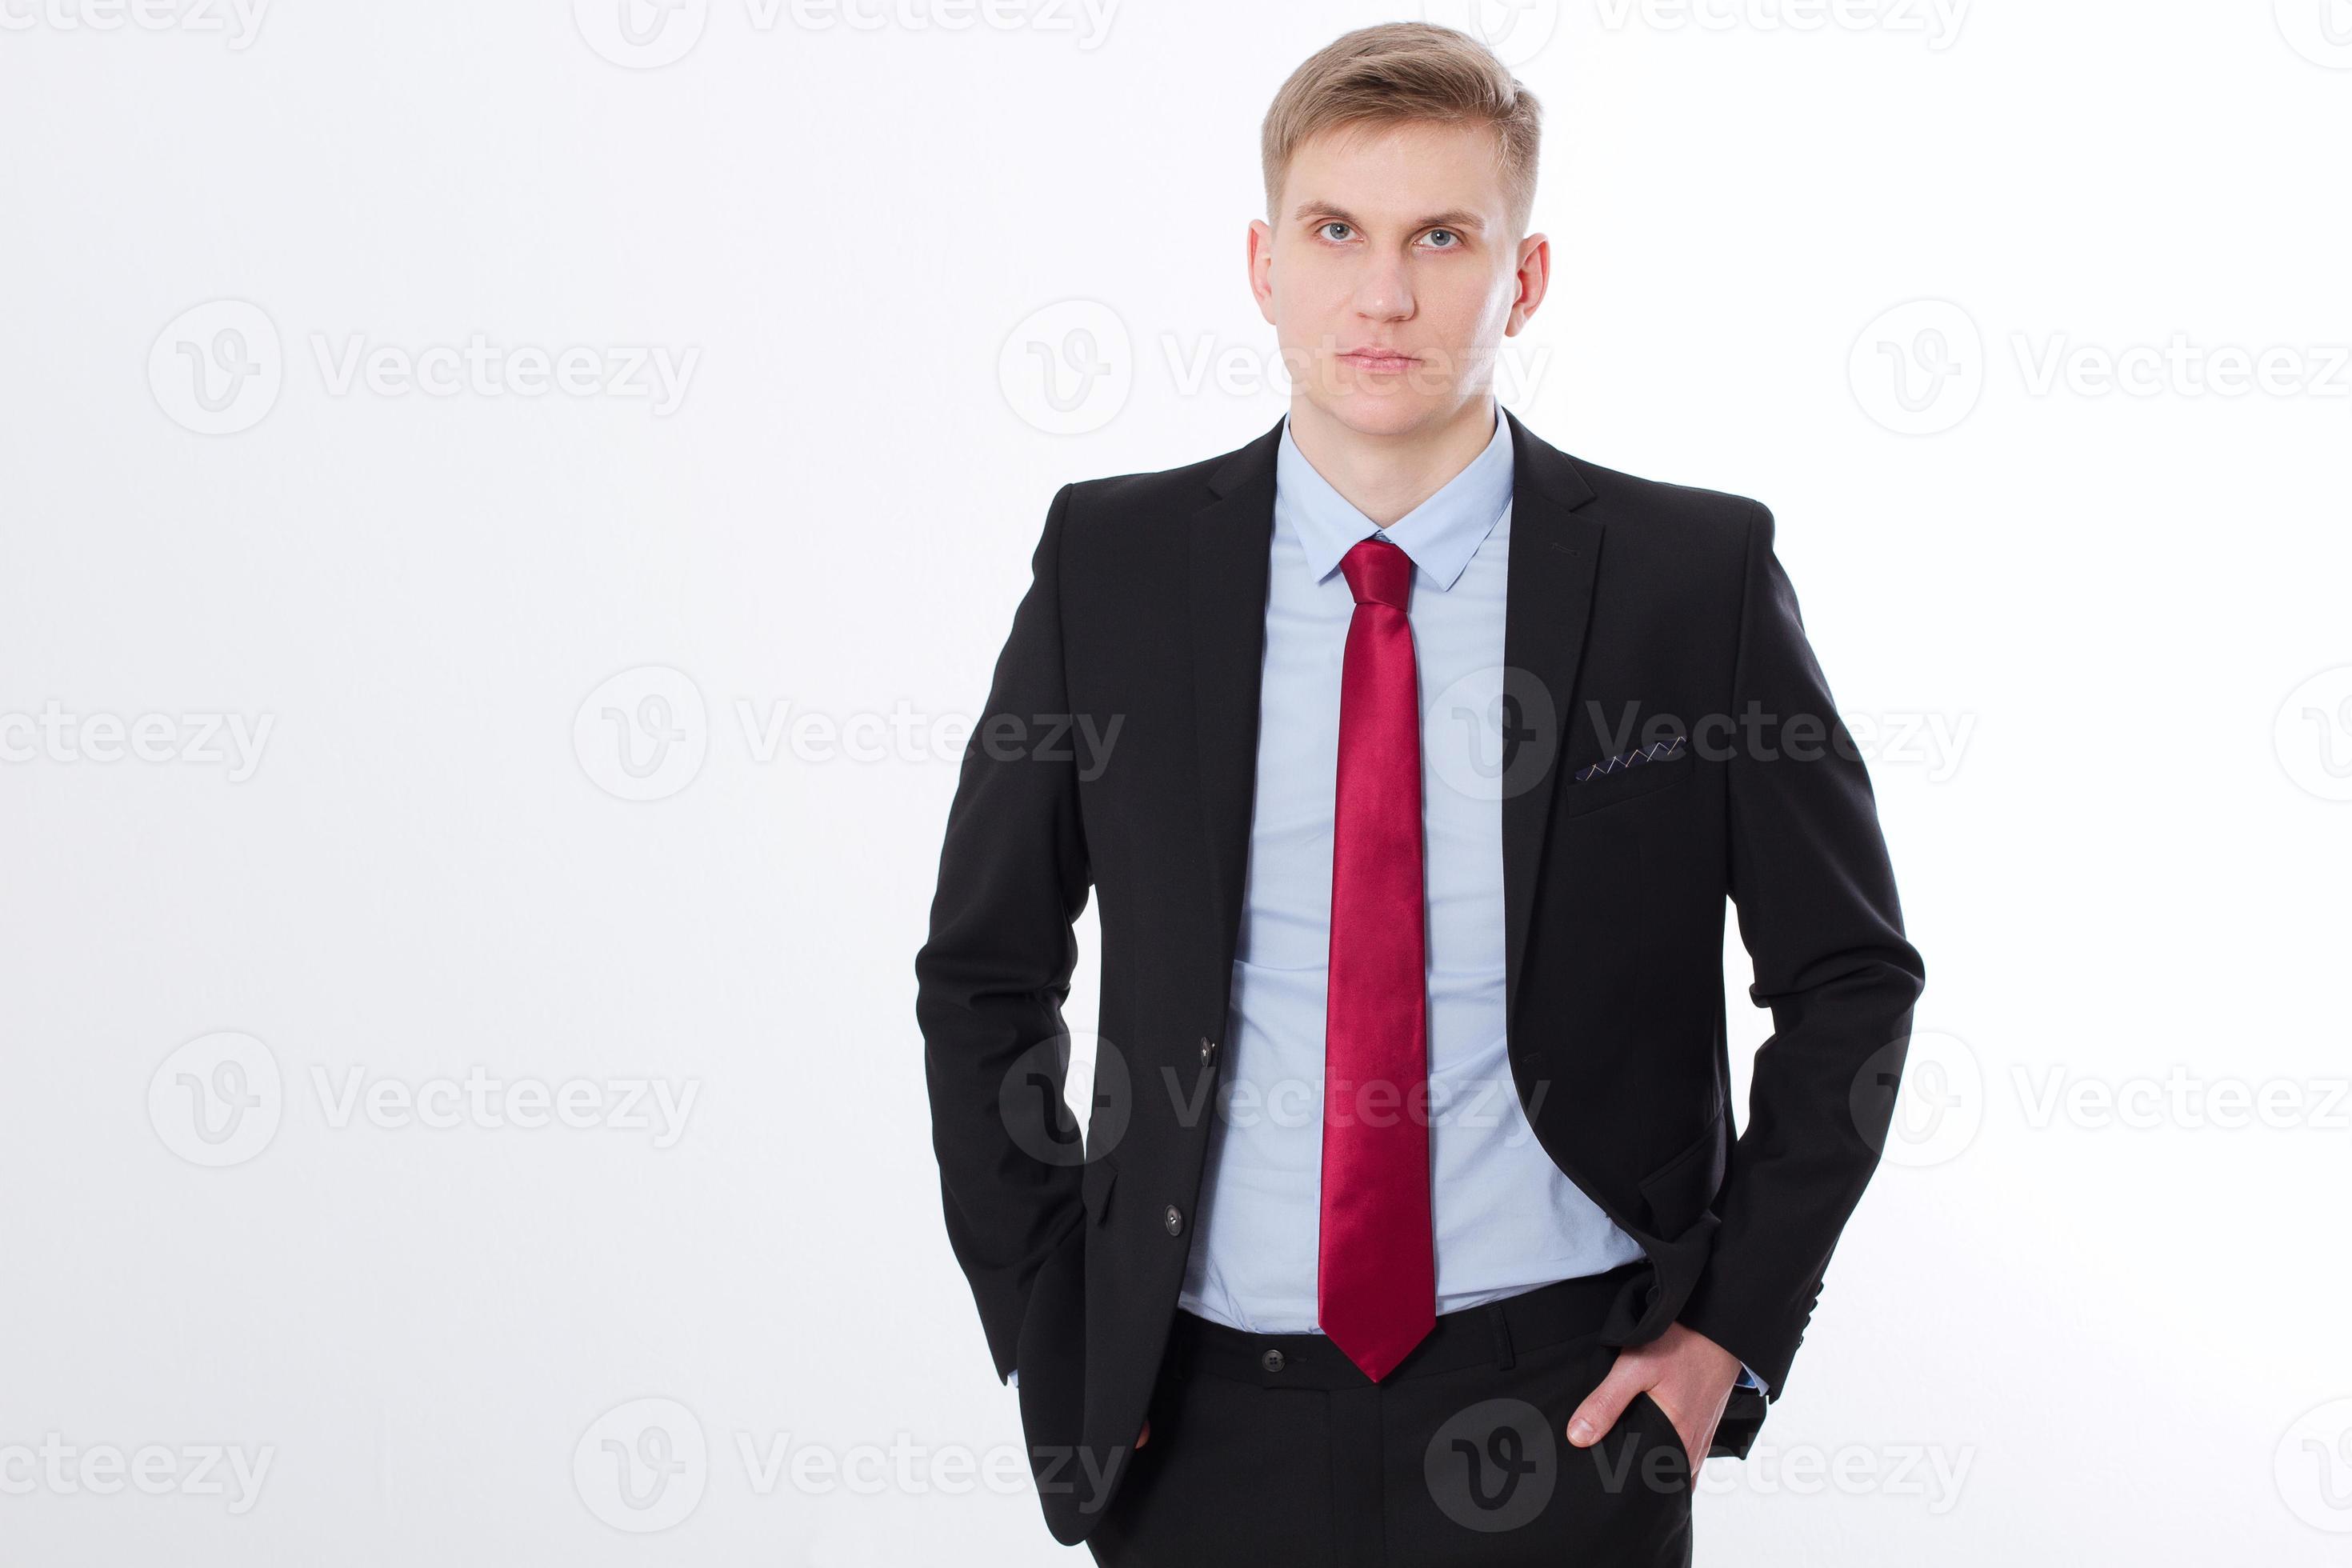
x: 1118, y: 751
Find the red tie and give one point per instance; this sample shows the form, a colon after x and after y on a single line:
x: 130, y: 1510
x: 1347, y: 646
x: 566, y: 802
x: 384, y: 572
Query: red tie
x: 1376, y: 1268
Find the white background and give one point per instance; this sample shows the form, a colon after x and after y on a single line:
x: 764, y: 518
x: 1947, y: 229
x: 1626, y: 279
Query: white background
x: 2116, y: 864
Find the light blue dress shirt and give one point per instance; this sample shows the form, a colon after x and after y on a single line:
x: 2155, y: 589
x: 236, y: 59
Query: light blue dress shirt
x: 1505, y: 1219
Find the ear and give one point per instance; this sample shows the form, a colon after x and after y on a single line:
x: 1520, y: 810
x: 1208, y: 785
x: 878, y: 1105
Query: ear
x: 1261, y: 268
x: 1534, y: 279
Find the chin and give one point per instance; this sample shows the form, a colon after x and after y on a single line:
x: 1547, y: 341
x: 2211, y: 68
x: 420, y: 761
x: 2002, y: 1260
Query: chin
x: 1395, y: 412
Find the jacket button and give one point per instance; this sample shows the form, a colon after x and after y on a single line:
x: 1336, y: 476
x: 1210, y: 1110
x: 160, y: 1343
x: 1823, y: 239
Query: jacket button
x: 1174, y: 1220
x: 1271, y: 1361
x: 1208, y: 1047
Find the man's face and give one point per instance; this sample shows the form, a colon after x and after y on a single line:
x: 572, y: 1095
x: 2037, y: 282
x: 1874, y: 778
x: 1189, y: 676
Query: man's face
x: 1391, y: 275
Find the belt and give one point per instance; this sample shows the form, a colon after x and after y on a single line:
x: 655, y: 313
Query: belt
x: 1490, y: 1334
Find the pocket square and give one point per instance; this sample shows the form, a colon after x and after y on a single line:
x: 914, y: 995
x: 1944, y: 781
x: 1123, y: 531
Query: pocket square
x: 1640, y: 756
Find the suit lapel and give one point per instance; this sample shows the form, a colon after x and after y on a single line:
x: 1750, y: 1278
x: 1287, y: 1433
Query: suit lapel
x: 1555, y: 560
x: 1230, y: 541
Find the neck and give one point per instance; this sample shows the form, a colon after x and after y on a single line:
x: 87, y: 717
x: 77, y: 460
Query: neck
x: 1385, y: 477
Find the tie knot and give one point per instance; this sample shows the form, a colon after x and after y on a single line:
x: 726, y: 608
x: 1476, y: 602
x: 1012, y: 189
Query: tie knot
x: 1378, y: 572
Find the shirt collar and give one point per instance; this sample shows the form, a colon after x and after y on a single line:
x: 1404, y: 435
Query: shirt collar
x: 1441, y: 534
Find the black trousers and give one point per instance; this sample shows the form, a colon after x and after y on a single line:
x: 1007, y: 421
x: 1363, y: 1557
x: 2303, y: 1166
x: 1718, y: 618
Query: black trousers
x: 1276, y: 1449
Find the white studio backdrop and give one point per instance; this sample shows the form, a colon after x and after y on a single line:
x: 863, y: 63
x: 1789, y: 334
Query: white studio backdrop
x: 505, y: 508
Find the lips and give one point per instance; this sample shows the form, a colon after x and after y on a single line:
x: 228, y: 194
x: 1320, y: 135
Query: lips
x: 1379, y: 360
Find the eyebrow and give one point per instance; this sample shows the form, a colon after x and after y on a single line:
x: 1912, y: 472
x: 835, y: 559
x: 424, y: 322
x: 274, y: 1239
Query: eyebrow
x: 1452, y: 217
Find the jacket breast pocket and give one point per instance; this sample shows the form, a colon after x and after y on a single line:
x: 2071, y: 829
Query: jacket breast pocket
x: 1095, y: 1181
x: 1596, y: 786
x: 1678, y: 1191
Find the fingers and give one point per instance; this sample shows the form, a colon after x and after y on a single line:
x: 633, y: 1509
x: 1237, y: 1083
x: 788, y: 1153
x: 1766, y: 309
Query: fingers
x: 1604, y: 1405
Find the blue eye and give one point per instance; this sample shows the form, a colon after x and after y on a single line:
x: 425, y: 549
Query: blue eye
x: 1450, y: 235
x: 1329, y: 226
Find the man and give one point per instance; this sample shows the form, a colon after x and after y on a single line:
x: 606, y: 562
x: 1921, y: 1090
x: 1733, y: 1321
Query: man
x: 1412, y: 762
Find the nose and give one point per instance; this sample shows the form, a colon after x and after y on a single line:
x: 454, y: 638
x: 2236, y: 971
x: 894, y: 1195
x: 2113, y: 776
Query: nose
x: 1384, y: 291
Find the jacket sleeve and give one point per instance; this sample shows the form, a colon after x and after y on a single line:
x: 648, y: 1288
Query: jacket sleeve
x: 993, y: 976
x: 1815, y: 895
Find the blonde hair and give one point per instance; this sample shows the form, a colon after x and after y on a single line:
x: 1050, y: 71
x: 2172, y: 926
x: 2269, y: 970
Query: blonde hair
x: 1401, y: 71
